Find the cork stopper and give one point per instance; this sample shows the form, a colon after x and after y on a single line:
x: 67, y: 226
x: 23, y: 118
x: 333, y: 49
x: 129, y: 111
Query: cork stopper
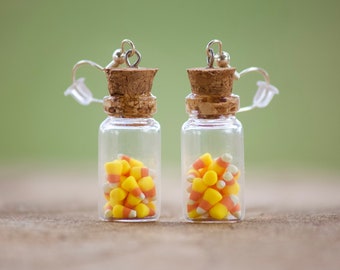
x: 130, y: 92
x: 211, y: 95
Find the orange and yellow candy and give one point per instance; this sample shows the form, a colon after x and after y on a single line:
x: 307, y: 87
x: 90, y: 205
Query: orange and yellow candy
x: 213, y: 189
x: 129, y: 190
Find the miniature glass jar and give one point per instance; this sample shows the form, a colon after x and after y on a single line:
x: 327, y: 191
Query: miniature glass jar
x: 212, y: 149
x: 129, y: 149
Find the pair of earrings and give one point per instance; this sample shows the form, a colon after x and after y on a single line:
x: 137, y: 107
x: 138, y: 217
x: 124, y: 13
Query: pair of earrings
x: 212, y: 154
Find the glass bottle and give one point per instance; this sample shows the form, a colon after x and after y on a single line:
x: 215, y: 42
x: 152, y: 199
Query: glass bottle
x: 129, y: 148
x: 212, y: 149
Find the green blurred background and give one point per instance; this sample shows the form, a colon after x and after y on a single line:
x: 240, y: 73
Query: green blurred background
x: 297, y: 42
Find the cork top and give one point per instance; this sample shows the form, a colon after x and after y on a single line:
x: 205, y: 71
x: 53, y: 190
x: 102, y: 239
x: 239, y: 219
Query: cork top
x: 211, y: 81
x: 211, y: 95
x: 130, y: 92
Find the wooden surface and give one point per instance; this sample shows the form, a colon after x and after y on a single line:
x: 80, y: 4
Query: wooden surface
x: 48, y: 220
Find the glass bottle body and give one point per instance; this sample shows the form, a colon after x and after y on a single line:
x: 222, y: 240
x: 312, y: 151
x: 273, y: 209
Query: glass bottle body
x: 212, y: 154
x: 129, y: 168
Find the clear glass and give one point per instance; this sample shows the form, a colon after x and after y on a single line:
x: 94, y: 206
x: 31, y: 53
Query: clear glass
x: 212, y: 153
x: 129, y: 169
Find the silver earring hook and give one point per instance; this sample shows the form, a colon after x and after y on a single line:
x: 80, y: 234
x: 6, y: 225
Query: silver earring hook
x: 84, y: 62
x: 256, y: 69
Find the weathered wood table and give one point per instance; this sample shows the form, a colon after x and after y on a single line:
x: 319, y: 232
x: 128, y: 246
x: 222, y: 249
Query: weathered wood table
x: 48, y: 220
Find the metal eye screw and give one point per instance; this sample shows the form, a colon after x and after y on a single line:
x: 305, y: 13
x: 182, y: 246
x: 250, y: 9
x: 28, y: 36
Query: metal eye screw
x: 222, y: 58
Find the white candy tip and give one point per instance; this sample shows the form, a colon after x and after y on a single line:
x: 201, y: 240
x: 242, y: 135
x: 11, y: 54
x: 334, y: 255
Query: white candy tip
x: 237, y: 214
x: 227, y: 157
x: 108, y: 213
x: 233, y: 169
x: 235, y: 199
x: 191, y: 202
x: 200, y: 210
x: 107, y: 187
x: 142, y: 196
x: 220, y: 184
x: 133, y: 214
x: 228, y: 176
x: 190, y: 178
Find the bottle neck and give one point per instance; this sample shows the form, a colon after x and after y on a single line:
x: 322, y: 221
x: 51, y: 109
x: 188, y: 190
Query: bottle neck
x: 130, y: 107
x: 212, y: 107
x: 130, y: 122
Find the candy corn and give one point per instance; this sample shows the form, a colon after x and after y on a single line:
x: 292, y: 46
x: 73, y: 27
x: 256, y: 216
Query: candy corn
x: 130, y: 185
x: 113, y: 171
x: 210, y: 198
x: 120, y: 211
x: 221, y: 163
x: 213, y: 189
x: 129, y: 189
x: 197, y: 189
x: 147, y: 185
x: 203, y: 161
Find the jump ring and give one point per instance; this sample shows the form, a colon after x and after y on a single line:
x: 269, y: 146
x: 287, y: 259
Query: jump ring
x: 129, y: 54
x: 210, y: 58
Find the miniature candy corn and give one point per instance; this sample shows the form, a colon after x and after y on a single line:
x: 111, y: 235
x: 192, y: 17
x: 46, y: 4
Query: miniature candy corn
x: 130, y: 188
x: 132, y: 201
x: 142, y: 210
x: 133, y: 162
x: 192, y: 173
x: 197, y: 189
x: 232, y: 204
x: 193, y: 214
x: 213, y: 189
x: 229, y: 178
x: 234, y: 171
x: 108, y: 206
x: 108, y: 210
x: 220, y: 164
x: 231, y: 187
x: 117, y: 195
x: 191, y: 207
x: 108, y: 213
x: 147, y: 186
x: 139, y: 172
x: 107, y: 187
x: 210, y: 198
x: 210, y: 178
x: 120, y: 211
x: 125, y: 167
x: 218, y: 211
x: 113, y: 171
x: 203, y: 161
x: 130, y: 185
